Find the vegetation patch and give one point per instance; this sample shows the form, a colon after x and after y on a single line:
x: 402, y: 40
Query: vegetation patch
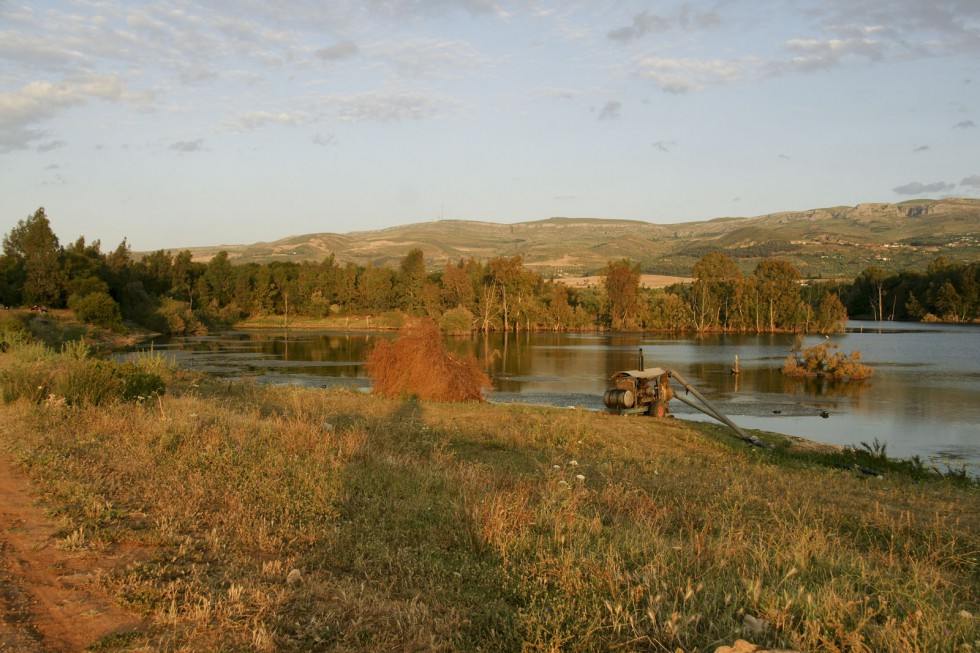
x: 825, y: 360
x: 417, y: 364
x: 290, y: 519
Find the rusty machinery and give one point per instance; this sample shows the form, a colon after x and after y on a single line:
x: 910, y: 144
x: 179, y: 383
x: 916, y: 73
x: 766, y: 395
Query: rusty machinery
x: 648, y: 391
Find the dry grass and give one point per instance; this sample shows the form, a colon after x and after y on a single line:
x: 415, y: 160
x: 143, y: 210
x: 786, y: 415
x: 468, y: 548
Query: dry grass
x: 462, y: 527
x: 417, y: 364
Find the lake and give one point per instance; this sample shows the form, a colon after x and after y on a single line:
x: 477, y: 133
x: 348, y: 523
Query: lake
x: 924, y: 398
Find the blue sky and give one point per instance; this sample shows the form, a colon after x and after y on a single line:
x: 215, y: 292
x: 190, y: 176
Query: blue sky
x: 175, y: 124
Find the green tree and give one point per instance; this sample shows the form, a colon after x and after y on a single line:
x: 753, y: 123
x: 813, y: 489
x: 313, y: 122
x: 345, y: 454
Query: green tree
x: 410, y: 282
x: 716, y: 278
x: 622, y: 282
x: 780, y: 303
x: 35, y: 250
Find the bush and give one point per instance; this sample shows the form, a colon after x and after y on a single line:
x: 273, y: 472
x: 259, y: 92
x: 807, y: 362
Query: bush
x: 180, y: 320
x: 75, y: 379
x: 826, y: 361
x: 457, y: 321
x: 418, y: 364
x: 97, y: 308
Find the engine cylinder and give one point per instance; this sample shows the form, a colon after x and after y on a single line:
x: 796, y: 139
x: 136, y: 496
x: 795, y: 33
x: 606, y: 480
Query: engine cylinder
x: 618, y: 398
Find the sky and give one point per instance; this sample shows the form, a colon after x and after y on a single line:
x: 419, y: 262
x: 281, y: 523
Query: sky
x: 176, y: 124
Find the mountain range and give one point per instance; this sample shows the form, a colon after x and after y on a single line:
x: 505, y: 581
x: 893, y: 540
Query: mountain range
x: 837, y: 242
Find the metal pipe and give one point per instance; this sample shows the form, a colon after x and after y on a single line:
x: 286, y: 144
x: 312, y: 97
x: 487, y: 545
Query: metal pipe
x: 717, y: 414
x: 693, y: 404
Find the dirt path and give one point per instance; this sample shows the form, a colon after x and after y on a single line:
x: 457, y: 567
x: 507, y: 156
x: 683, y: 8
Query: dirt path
x: 49, y: 598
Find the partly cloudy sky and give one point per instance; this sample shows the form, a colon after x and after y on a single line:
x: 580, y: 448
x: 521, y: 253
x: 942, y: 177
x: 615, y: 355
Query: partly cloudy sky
x: 232, y: 121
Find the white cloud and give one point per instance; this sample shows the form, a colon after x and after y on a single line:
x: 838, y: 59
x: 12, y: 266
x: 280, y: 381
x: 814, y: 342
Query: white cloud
x: 429, y: 57
x: 965, y: 124
x: 390, y: 107
x: 687, y: 75
x: 253, y: 120
x: 41, y: 100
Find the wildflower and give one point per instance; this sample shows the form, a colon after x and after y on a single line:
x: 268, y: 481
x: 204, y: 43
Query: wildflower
x: 573, y: 463
x: 580, y: 477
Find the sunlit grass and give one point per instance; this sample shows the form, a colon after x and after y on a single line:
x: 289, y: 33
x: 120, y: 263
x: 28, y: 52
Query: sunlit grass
x: 297, y: 519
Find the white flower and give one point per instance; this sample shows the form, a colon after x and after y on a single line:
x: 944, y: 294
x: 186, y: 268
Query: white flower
x: 580, y: 477
x: 573, y: 463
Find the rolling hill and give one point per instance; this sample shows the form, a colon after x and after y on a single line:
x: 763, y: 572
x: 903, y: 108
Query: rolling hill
x: 832, y: 242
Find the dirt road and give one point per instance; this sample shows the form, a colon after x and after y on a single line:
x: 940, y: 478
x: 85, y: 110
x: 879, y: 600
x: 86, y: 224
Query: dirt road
x: 50, y: 600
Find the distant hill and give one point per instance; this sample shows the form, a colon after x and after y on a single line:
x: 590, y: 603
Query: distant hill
x: 828, y: 243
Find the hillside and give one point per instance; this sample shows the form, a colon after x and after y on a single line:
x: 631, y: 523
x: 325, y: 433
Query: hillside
x: 827, y: 242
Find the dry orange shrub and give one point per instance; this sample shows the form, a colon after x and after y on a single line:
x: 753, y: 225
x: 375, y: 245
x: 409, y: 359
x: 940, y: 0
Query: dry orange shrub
x: 417, y: 363
x: 826, y: 361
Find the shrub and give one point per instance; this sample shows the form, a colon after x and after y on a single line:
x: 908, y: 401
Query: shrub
x: 38, y: 374
x: 417, y: 363
x: 138, y: 383
x: 97, y: 308
x: 826, y: 361
x: 180, y: 320
x: 457, y: 321
x: 90, y: 381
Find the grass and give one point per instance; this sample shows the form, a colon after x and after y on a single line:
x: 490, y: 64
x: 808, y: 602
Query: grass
x: 463, y: 527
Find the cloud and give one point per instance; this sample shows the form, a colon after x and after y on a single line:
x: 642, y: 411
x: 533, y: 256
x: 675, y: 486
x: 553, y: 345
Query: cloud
x: 679, y: 76
x: 337, y: 52
x: 643, y: 23
x: 973, y: 181
x: 189, y: 146
x: 918, y: 188
x: 323, y: 141
x: 611, y: 110
x: 819, y: 54
x: 253, y: 120
x: 922, y: 148
x: 665, y: 146
x: 379, y: 106
x: 50, y: 146
x: 42, y: 100
x: 966, y: 124
x: 429, y: 57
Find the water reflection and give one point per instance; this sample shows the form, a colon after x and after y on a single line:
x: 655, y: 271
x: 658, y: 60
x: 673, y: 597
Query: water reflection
x: 923, y: 399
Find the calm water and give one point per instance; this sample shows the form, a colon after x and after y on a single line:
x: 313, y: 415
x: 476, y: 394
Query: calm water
x: 924, y: 398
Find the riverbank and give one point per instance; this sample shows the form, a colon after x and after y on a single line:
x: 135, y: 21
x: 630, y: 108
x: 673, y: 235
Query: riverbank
x: 283, y: 518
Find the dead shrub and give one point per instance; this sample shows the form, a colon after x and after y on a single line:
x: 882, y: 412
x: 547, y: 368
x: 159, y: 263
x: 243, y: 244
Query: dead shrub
x: 417, y: 363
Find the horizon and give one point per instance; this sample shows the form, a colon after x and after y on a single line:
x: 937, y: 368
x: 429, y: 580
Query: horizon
x: 184, y: 126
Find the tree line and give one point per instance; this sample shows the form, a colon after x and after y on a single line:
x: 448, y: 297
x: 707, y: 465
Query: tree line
x: 944, y: 292
x: 172, y: 293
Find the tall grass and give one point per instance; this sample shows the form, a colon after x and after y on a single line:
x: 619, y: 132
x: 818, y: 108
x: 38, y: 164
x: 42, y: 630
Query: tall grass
x: 295, y: 519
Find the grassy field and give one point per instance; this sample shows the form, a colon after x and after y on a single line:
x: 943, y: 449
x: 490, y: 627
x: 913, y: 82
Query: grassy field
x: 288, y: 519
